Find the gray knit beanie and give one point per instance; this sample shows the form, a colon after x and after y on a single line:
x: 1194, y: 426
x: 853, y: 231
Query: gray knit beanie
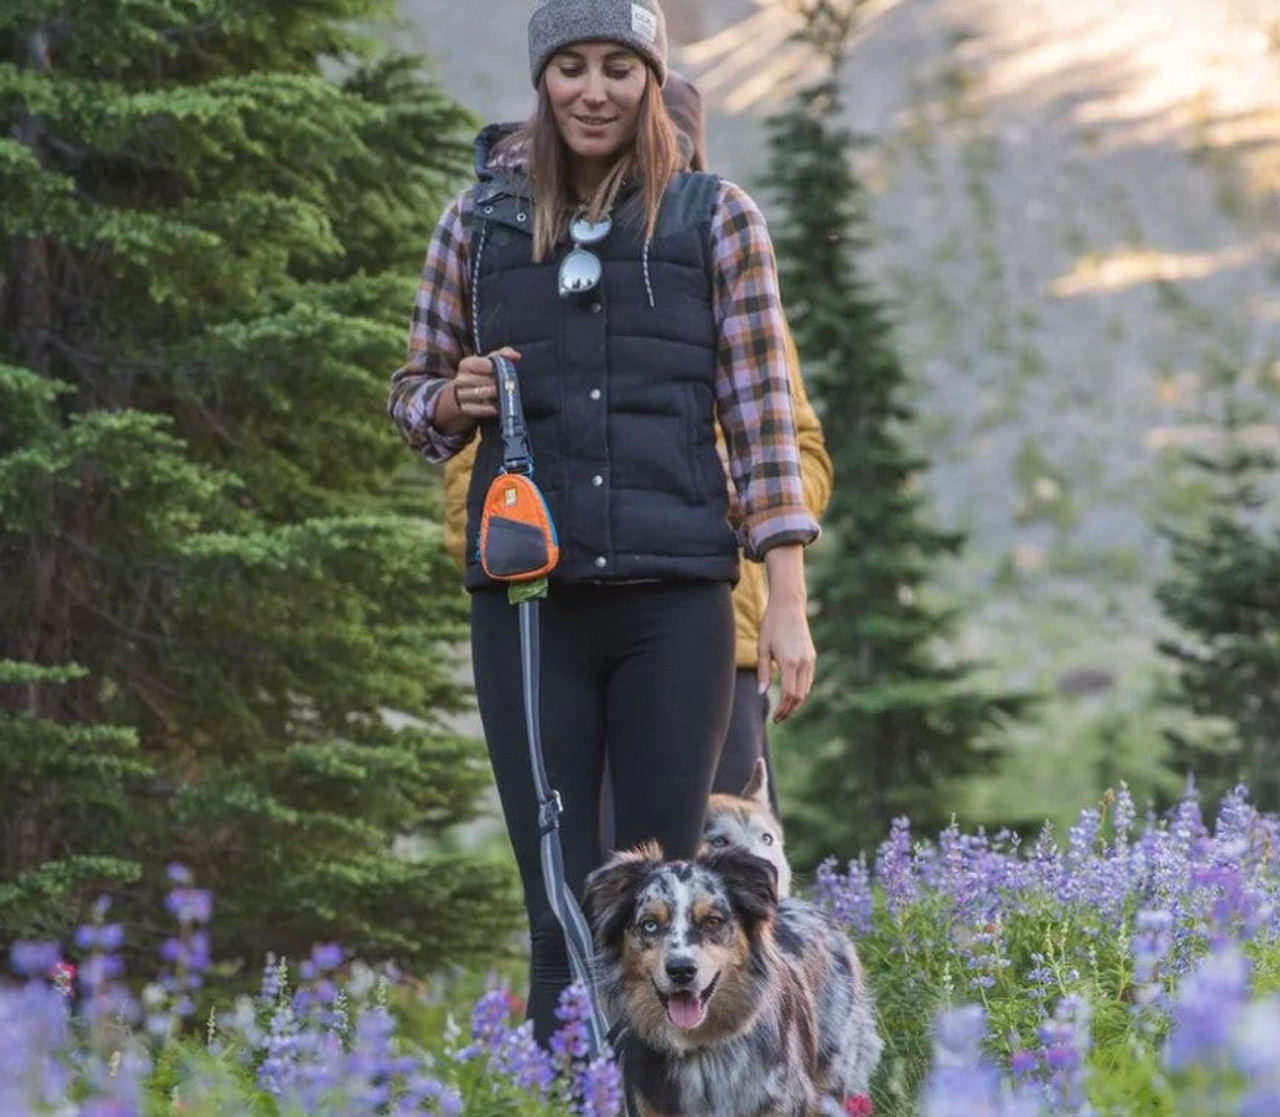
x: 637, y: 25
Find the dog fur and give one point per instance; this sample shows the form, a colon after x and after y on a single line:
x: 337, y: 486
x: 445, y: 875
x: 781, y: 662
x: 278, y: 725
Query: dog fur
x: 748, y: 822
x: 735, y: 1005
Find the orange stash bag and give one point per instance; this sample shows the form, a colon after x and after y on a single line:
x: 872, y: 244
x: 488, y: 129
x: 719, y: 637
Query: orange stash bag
x: 517, y: 538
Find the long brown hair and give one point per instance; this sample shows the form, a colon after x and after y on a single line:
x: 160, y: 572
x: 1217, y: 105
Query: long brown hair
x: 651, y: 160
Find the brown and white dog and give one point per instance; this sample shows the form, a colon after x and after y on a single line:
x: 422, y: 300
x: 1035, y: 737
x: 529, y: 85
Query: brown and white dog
x: 748, y: 822
x: 734, y: 1005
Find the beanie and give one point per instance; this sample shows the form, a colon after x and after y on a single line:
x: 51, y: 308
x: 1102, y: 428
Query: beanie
x: 637, y: 25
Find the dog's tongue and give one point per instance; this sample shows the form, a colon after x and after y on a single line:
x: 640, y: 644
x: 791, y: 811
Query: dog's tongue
x: 684, y: 1010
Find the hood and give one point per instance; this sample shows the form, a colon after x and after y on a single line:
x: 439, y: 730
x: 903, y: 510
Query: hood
x: 491, y: 163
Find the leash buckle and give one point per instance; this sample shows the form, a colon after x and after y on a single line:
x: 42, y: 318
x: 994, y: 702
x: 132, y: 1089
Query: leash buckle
x: 549, y: 812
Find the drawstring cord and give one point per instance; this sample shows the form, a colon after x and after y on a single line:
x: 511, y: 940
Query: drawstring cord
x: 648, y: 286
x: 475, y: 288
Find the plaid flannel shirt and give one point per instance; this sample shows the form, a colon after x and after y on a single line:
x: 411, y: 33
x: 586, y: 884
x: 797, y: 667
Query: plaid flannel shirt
x: 752, y: 392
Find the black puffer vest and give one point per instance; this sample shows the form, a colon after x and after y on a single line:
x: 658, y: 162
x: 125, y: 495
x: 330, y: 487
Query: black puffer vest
x: 619, y: 395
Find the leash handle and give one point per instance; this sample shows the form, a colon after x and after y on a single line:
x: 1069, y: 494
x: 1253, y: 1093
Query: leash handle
x: 517, y: 457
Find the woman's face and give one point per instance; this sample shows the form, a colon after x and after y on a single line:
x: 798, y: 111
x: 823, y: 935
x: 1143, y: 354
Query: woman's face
x: 595, y: 91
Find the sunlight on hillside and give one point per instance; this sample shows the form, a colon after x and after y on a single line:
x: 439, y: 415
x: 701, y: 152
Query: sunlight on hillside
x: 1128, y: 267
x: 755, y: 62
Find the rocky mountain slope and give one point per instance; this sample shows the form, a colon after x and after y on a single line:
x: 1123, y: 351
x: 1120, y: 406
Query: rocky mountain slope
x: 1077, y: 218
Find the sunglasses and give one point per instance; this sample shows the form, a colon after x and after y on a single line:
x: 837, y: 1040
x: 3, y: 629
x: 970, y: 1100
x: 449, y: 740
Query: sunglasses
x: 581, y: 270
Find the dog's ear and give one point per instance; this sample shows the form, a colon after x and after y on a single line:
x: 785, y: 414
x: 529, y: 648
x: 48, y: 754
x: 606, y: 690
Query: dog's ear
x: 609, y: 896
x: 758, y: 786
x: 752, y: 883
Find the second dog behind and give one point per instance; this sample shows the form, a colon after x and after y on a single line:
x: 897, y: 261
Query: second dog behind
x: 748, y: 822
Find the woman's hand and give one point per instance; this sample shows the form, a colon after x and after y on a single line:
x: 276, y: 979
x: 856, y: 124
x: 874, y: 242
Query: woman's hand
x: 472, y: 396
x: 785, y: 641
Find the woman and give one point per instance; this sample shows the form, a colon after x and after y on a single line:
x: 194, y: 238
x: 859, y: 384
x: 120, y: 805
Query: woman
x: 623, y: 372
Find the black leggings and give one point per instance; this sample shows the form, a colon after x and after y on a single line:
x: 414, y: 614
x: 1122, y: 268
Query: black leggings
x: 648, y: 669
x: 747, y: 740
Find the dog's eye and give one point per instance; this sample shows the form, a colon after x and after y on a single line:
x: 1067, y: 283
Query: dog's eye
x: 767, y: 839
x: 718, y: 842
x: 649, y: 926
x: 713, y: 922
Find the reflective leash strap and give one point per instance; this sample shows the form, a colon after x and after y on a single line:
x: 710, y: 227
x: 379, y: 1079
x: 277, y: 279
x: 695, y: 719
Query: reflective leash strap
x: 516, y: 458
x: 577, y: 936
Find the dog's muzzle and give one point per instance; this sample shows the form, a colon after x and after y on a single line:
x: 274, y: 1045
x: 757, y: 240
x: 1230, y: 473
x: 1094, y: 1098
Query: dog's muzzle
x: 687, y: 1008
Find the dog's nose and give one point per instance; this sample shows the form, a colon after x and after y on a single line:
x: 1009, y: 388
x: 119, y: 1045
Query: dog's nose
x: 681, y: 970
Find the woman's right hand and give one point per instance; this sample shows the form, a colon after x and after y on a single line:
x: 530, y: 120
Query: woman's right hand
x: 472, y: 397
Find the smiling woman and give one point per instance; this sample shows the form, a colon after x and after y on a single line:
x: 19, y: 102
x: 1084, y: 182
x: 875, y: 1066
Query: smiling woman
x: 595, y: 91
x: 641, y: 303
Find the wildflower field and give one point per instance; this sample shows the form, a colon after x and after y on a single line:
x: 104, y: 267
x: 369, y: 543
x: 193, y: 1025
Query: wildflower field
x: 1130, y: 968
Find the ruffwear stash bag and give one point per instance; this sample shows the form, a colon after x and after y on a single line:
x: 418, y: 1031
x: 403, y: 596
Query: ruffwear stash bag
x: 517, y: 536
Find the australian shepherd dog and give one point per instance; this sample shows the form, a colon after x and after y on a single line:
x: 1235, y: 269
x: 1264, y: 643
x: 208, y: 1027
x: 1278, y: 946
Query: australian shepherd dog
x: 733, y: 1004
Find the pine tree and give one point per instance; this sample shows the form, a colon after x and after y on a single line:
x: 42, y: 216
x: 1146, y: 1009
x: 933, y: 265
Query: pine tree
x: 1223, y: 593
x: 889, y: 726
x: 215, y: 581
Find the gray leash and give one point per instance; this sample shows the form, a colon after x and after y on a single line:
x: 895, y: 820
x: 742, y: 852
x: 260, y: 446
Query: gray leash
x: 516, y: 458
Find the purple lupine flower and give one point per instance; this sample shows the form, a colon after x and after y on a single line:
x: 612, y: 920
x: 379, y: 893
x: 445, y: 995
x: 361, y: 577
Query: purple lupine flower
x: 34, y: 1031
x: 186, y: 956
x: 512, y: 1052
x: 373, y: 1066
x: 34, y: 959
x: 1257, y: 1055
x: 848, y: 896
x: 595, y: 1086
x: 110, y: 1107
x: 1040, y: 979
x: 274, y: 976
x: 106, y: 937
x: 1066, y: 1042
x: 571, y: 1041
x: 1024, y: 1063
x: 1208, y: 1003
x: 190, y: 905
x: 491, y: 1019
x: 981, y: 949
x: 429, y: 1093
x: 598, y: 1089
x: 958, y: 1035
x: 116, y: 1089
x: 1045, y: 864
x: 522, y: 1060
x: 278, y: 1070
x: 1124, y: 815
x: 894, y: 868
x: 325, y: 958
x: 963, y: 1082
x: 1151, y: 943
x: 105, y: 997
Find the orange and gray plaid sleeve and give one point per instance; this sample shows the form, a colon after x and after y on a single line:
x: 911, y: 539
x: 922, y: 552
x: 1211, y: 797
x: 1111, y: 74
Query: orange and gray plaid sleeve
x: 753, y: 393
x: 438, y: 337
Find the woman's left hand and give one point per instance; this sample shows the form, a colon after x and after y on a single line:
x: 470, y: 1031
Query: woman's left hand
x: 785, y: 641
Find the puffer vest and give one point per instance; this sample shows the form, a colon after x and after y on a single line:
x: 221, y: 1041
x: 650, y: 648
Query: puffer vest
x: 619, y: 395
